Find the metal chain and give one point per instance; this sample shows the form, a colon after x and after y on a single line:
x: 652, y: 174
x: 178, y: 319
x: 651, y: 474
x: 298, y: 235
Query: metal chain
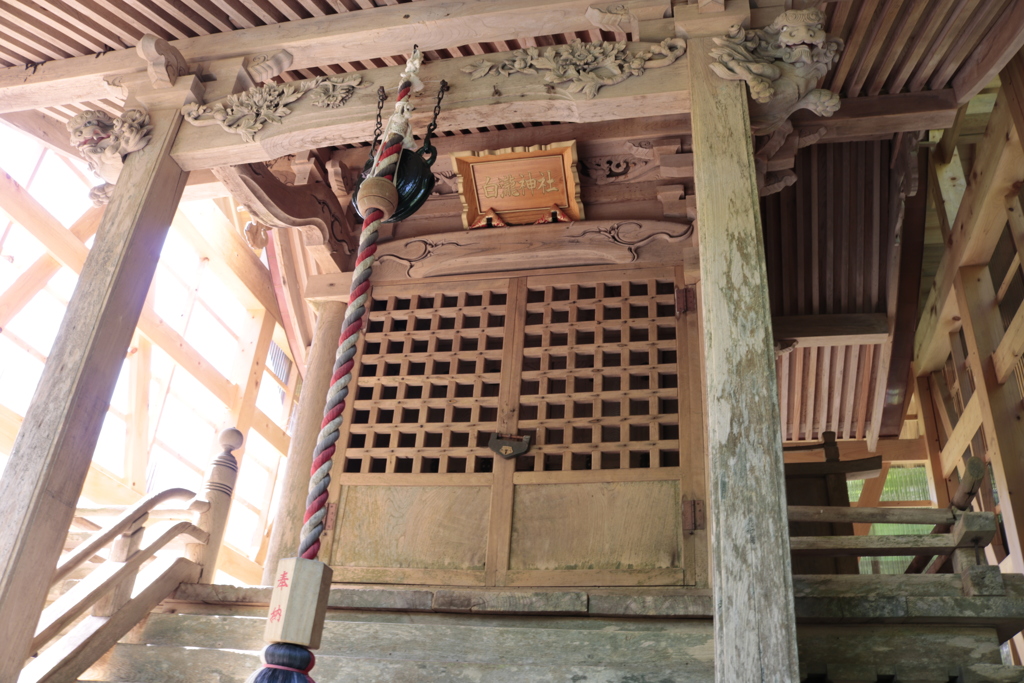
x: 428, y: 151
x: 382, y: 96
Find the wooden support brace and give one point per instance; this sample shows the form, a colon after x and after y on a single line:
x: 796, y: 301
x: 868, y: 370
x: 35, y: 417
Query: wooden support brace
x: 314, y: 209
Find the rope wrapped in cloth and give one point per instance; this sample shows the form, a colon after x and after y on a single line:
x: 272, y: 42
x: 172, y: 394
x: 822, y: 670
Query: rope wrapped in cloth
x: 287, y: 662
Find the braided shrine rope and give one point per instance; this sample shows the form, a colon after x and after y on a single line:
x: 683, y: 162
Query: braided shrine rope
x: 397, y: 135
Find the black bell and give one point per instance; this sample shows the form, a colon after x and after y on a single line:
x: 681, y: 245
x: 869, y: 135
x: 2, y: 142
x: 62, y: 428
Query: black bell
x: 413, y: 180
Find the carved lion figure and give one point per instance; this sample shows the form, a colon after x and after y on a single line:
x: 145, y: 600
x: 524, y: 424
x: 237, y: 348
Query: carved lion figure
x: 781, y: 65
x: 104, y: 142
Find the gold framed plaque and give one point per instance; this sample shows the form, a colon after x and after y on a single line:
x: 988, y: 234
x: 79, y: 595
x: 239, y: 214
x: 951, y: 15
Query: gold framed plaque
x: 521, y: 185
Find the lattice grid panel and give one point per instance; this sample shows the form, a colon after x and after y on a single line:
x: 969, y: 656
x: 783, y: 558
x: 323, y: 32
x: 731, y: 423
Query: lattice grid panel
x: 599, y: 381
x: 428, y: 381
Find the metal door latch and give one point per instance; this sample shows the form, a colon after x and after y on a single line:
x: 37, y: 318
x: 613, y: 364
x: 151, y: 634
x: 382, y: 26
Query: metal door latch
x: 509, y: 446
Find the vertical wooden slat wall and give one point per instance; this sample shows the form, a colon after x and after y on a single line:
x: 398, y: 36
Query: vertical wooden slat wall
x: 828, y: 242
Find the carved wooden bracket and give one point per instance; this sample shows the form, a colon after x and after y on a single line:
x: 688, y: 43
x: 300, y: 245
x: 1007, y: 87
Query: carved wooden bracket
x: 781, y: 65
x: 164, y: 61
x: 264, y: 66
x: 314, y: 209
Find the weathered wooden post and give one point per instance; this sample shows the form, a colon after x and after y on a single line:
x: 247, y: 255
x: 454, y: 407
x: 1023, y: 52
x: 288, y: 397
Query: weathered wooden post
x: 51, y: 456
x: 220, y: 484
x: 755, y: 628
x: 292, y: 505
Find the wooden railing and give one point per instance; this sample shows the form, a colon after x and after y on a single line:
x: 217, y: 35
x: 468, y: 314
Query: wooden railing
x: 121, y: 591
x: 968, y: 530
x: 957, y: 535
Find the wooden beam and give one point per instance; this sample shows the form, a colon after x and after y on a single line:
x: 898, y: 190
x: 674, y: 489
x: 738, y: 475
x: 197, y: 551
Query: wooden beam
x: 832, y: 330
x: 50, y: 132
x: 755, y: 628
x: 185, y: 355
x: 938, y: 489
x: 10, y: 423
x: 946, y: 185
x: 1012, y: 88
x: 23, y: 208
x: 470, y: 104
x: 963, y: 433
x: 137, y: 442
x: 47, y: 469
x: 1010, y: 348
x: 230, y: 257
x: 34, y: 278
x: 232, y: 562
x: 979, y: 224
x: 249, y: 367
x: 281, y: 256
x: 947, y: 143
x: 864, y: 468
x: 318, y: 41
x: 878, y: 118
x: 993, y: 53
x: 870, y: 515
x: 907, y: 227
x: 891, y: 450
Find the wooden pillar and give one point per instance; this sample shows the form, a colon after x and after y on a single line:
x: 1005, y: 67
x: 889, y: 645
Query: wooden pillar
x: 755, y: 629
x: 51, y: 456
x: 284, y: 540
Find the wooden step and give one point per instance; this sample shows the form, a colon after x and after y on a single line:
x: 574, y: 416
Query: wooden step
x: 222, y: 645
x: 140, y: 664
x: 449, y: 637
x: 360, y: 646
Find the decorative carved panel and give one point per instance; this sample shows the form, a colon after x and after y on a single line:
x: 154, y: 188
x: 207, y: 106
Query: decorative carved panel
x: 582, y: 243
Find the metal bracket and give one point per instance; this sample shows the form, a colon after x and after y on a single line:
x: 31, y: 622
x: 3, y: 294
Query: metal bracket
x: 508, y: 446
x: 693, y: 516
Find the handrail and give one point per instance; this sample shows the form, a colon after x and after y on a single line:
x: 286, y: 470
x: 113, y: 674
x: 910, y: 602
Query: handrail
x: 118, y: 594
x: 80, y: 598
x: 971, y: 530
x: 884, y: 515
x: 68, y: 657
x: 127, y: 520
x: 197, y: 505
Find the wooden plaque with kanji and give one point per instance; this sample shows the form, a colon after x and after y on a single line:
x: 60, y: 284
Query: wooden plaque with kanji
x: 519, y: 185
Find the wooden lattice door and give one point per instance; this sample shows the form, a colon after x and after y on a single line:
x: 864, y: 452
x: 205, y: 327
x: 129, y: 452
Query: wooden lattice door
x: 602, y: 370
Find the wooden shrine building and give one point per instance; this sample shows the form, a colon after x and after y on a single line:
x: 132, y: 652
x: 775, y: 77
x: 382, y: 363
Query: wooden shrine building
x: 687, y: 288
